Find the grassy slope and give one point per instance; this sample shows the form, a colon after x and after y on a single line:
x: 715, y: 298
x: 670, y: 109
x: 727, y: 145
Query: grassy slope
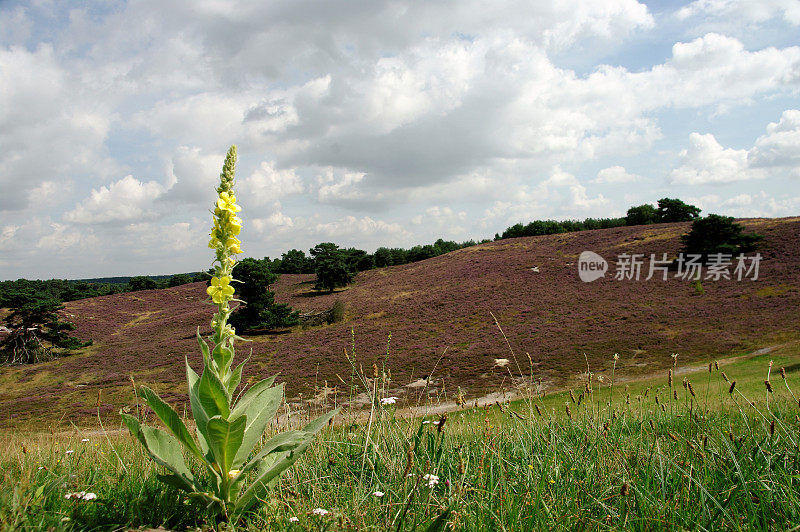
x: 654, y: 462
x: 438, y: 314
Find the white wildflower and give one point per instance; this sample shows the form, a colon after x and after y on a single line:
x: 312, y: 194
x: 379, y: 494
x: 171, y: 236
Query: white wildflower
x: 378, y: 494
x: 432, y: 480
x: 320, y: 511
x: 81, y: 495
x: 69, y: 451
x: 85, y: 440
x: 388, y: 400
x: 293, y: 519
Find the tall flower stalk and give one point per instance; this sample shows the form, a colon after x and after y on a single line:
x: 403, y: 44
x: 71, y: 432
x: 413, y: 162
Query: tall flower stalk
x: 228, y: 432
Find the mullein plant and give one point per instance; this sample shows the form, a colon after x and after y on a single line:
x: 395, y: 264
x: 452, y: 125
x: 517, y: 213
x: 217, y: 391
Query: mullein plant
x: 229, y: 430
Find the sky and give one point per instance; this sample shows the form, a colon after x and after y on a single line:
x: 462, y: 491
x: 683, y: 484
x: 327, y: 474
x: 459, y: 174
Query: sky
x: 378, y: 123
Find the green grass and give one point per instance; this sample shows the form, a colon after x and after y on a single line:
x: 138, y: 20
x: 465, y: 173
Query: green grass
x: 627, y: 457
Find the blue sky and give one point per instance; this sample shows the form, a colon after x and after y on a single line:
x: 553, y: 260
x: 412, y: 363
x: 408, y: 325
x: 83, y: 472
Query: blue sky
x: 379, y: 123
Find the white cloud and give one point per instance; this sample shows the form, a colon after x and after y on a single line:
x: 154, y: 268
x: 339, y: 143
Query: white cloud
x: 615, y: 174
x: 780, y: 147
x: 48, y: 129
x: 193, y: 175
x: 125, y: 201
x: 774, y: 154
x: 747, y: 11
x: 706, y: 161
x: 349, y: 226
x: 267, y: 184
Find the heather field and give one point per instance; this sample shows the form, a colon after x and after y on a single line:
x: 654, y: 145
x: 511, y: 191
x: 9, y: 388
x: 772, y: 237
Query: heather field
x: 432, y: 323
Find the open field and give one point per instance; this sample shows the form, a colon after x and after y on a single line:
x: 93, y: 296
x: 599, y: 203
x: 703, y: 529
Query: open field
x: 439, y: 315
x: 636, y: 455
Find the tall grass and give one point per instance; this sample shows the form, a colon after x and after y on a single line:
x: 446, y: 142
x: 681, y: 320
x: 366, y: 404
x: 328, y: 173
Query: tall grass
x: 638, y: 456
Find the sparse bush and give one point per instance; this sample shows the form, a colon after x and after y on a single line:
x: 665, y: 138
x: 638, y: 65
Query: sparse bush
x: 337, y: 312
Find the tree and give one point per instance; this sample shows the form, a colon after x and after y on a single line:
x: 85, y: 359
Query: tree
x: 259, y: 310
x: 178, y: 279
x: 36, y: 330
x: 331, y: 267
x: 718, y: 234
x: 295, y: 261
x: 674, y: 210
x: 141, y: 282
x: 641, y: 215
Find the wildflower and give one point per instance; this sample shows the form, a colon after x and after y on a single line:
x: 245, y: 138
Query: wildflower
x: 81, y: 495
x: 227, y: 202
x: 233, y: 243
x: 233, y: 472
x: 432, y: 480
x: 220, y: 289
x: 70, y: 451
x: 320, y: 511
x: 378, y: 494
x: 293, y: 519
x: 85, y: 440
x: 388, y: 400
x: 616, y: 357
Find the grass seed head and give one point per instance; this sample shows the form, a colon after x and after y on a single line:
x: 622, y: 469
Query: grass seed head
x: 733, y: 385
x: 724, y: 376
x: 624, y: 490
x: 768, y: 385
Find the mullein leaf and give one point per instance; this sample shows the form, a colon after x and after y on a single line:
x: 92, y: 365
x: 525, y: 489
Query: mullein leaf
x: 170, y: 418
x: 213, y: 395
x: 225, y: 438
x: 259, y: 404
x: 163, y: 448
x: 198, y: 412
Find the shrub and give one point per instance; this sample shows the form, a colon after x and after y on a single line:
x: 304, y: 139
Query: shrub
x: 718, y: 234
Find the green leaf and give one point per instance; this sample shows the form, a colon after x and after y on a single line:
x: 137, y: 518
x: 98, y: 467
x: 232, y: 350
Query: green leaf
x: 203, y: 348
x: 213, y: 395
x: 223, y: 356
x: 259, y: 486
x: 163, y: 448
x: 281, y: 464
x: 176, y: 481
x: 321, y: 421
x: 259, y: 405
x: 198, y: 412
x: 171, y: 419
x: 236, y: 378
x: 225, y: 438
x: 285, y: 441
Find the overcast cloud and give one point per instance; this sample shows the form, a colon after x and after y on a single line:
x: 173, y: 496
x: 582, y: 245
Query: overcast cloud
x: 379, y: 123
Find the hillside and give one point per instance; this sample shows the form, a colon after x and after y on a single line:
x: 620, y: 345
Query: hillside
x: 438, y: 315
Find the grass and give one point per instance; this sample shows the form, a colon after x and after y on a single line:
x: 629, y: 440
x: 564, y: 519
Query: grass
x: 636, y: 456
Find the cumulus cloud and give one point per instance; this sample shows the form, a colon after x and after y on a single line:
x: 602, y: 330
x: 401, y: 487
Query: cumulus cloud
x: 774, y: 154
x: 124, y: 201
x: 615, y: 174
x: 780, y: 146
x: 47, y: 128
x: 268, y: 184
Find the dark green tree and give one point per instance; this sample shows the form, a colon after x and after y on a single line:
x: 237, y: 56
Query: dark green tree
x: 331, y: 267
x: 178, y: 279
x: 641, y: 215
x: 141, y: 282
x: 674, y: 210
x: 36, y: 332
x: 718, y: 234
x: 295, y: 261
x: 259, y: 310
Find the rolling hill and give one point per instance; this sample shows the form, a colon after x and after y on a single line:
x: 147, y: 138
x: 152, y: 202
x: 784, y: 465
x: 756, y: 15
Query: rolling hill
x: 439, y: 313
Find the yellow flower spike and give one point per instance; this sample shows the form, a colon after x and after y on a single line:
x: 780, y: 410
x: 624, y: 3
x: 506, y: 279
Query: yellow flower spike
x: 227, y: 202
x: 235, y: 225
x: 233, y: 244
x: 220, y: 289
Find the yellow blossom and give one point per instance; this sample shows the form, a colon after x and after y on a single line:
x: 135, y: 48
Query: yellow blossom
x: 227, y: 202
x: 220, y: 289
x: 233, y: 245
